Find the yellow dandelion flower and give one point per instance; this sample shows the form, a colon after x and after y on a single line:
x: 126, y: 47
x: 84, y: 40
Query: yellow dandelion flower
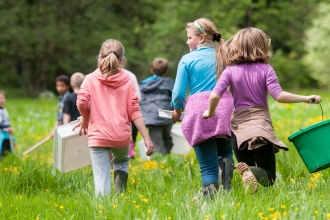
x: 122, y: 194
x: 328, y: 215
x: 100, y: 212
x: 140, y: 194
x: 316, y: 212
x: 145, y: 200
x: 286, y: 214
x: 61, y: 207
x: 207, y: 217
x: 222, y: 216
x: 265, y: 218
x: 149, y: 211
x: 137, y: 206
x: 283, y: 206
x: 292, y: 180
x: 114, y: 205
x: 260, y: 214
x: 322, y: 195
x: 271, y: 209
x: 37, y: 218
x: 134, y: 201
x: 100, y: 206
x: 169, y: 218
x: 0, y: 204
x: 238, y: 204
x: 295, y: 209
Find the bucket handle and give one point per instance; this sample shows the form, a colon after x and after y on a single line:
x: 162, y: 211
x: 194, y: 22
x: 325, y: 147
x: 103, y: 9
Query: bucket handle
x: 311, y: 101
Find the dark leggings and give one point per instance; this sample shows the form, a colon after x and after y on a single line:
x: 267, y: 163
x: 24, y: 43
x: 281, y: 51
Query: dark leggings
x: 262, y: 157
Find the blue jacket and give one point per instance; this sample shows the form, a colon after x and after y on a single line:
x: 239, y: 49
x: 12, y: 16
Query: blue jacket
x: 156, y: 94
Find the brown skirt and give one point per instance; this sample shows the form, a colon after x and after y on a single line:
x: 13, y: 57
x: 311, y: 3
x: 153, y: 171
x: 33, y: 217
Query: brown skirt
x: 253, y: 128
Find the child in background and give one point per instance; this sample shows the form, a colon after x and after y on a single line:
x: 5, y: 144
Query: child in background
x: 70, y: 110
x: 108, y: 102
x: 132, y: 152
x: 249, y: 76
x: 5, y: 126
x: 156, y: 93
x: 210, y: 138
x: 62, y: 87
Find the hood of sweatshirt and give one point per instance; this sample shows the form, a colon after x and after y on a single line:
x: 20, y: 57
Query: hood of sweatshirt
x: 160, y: 83
x: 113, y: 81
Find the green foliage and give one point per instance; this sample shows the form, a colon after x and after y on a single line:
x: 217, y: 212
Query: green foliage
x: 43, y: 39
x: 318, y: 45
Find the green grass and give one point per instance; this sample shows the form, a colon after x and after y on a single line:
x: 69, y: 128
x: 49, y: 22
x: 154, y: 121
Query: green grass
x: 158, y: 189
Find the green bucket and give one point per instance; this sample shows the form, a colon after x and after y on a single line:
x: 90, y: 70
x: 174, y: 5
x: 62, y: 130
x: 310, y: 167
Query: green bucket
x: 313, y: 144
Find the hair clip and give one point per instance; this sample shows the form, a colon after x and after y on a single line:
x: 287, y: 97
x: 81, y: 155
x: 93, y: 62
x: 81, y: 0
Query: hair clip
x: 199, y: 28
x: 217, y: 37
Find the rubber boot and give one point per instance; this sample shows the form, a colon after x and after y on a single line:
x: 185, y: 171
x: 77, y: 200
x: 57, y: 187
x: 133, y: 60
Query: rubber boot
x: 207, y: 191
x: 249, y: 180
x: 261, y: 176
x: 226, y: 169
x: 120, y: 181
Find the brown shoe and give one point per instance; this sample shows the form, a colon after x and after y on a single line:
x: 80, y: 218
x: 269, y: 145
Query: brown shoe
x: 249, y: 180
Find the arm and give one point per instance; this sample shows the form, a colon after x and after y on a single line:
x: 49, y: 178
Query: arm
x: 179, y: 90
x: 213, y: 102
x: 286, y: 97
x: 139, y: 123
x: 66, y: 118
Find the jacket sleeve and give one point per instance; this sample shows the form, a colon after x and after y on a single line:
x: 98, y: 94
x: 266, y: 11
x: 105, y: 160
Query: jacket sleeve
x: 83, y: 97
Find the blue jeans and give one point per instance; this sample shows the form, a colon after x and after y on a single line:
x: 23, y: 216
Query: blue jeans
x: 208, y: 154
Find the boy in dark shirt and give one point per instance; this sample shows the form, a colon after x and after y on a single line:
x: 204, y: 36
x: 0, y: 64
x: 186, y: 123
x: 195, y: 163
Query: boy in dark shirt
x: 70, y: 110
x: 62, y: 87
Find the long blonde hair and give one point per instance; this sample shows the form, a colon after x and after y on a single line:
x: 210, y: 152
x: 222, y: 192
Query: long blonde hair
x: 212, y: 35
x: 111, y: 53
x: 248, y: 45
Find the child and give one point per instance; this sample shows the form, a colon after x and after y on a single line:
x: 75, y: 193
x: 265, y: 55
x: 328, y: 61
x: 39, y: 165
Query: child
x: 197, y: 70
x: 132, y: 152
x: 156, y: 93
x: 250, y: 78
x: 5, y: 127
x: 70, y: 110
x: 62, y: 87
x: 108, y: 102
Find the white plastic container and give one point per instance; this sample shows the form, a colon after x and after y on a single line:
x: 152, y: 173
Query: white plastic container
x: 167, y: 114
x: 71, y: 151
x: 180, y: 144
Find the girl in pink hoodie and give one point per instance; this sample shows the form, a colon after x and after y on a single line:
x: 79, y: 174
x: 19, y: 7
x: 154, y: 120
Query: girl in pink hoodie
x: 108, y: 102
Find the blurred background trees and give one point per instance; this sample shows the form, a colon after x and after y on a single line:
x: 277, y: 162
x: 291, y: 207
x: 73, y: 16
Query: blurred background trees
x: 40, y: 40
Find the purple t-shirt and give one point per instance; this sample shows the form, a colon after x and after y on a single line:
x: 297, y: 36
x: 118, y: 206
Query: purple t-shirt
x: 249, y: 83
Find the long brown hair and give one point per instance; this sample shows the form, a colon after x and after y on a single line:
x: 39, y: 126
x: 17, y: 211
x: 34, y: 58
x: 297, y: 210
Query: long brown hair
x: 112, y: 51
x: 248, y: 45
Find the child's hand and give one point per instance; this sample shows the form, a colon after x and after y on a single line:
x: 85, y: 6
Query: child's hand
x: 150, y: 147
x: 317, y: 99
x: 82, y: 124
x: 10, y: 130
x: 176, y: 115
x: 207, y: 114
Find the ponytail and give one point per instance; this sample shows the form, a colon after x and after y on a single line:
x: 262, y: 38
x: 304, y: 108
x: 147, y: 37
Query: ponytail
x: 220, y: 55
x: 112, y: 52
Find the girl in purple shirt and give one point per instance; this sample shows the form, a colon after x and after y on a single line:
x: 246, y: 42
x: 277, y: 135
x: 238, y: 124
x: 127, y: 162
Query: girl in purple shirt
x: 250, y: 78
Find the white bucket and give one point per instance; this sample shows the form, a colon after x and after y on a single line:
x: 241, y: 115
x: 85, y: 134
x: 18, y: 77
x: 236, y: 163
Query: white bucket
x: 180, y: 144
x: 71, y: 151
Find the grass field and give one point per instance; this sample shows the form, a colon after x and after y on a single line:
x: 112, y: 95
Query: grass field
x: 161, y: 188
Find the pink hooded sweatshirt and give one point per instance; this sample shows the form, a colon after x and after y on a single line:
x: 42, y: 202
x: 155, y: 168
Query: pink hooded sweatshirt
x: 111, y: 104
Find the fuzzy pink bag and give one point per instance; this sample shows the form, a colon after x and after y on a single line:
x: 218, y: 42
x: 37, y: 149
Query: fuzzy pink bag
x: 196, y: 129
